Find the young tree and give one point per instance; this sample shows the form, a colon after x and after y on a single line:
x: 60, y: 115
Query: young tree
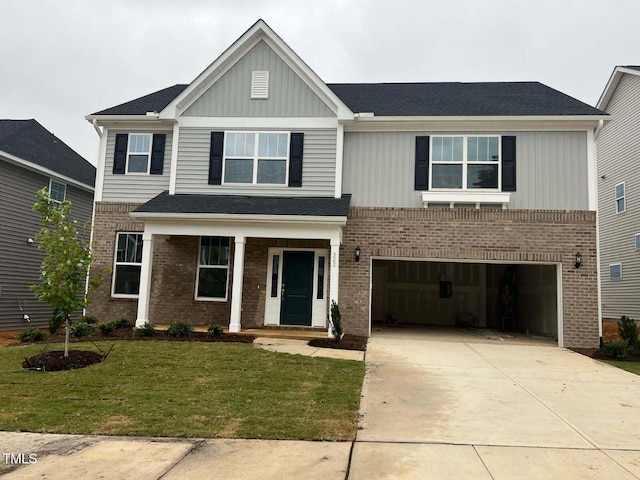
x: 67, y: 257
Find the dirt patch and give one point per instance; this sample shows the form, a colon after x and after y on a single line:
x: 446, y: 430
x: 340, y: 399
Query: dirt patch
x: 55, y: 360
x: 610, y: 331
x: 348, y: 342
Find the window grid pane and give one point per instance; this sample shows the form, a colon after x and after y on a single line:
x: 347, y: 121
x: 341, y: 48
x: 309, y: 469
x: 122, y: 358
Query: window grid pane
x: 465, y: 163
x: 57, y: 191
x: 615, y: 271
x: 128, y: 264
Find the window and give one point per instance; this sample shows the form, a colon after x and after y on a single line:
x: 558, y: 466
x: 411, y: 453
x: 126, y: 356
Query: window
x: 637, y: 241
x: 620, y: 206
x: 259, y: 84
x: 57, y: 191
x: 465, y: 163
x: 213, y: 268
x: 615, y: 271
x: 320, y: 294
x: 128, y: 263
x: 256, y: 158
x: 139, y: 153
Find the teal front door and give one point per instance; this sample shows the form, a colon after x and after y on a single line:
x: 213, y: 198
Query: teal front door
x: 297, y: 288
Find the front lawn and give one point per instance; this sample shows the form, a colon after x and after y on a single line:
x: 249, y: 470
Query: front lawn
x: 633, y: 367
x: 186, y: 390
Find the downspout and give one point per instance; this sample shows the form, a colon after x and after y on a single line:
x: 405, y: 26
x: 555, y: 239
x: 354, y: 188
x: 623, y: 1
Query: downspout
x: 597, y: 131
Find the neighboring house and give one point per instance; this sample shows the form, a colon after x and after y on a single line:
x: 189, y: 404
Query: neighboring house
x: 31, y: 157
x: 618, y: 151
x: 257, y: 194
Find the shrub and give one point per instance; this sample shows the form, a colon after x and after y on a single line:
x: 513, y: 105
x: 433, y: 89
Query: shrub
x: 147, y: 330
x: 119, y: 324
x: 55, y: 322
x: 107, y: 327
x: 80, y: 329
x: 617, y: 349
x: 336, y: 321
x: 628, y: 331
x: 31, y: 335
x: 180, y: 329
x: 88, y: 319
x: 215, y: 330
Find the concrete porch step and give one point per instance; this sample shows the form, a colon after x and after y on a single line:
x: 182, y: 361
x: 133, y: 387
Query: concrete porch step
x: 270, y: 332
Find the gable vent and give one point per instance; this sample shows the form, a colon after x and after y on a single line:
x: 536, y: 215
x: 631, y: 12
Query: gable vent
x: 259, y: 84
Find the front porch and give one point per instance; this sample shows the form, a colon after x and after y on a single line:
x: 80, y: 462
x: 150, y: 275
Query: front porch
x: 267, y: 332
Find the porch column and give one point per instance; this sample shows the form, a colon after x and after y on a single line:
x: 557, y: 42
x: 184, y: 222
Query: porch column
x: 145, y: 279
x: 236, y: 289
x: 334, y: 277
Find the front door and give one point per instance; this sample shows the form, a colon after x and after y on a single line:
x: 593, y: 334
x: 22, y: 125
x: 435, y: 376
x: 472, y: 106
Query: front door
x: 297, y: 288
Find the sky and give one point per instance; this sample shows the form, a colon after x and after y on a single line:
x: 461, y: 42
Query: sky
x: 62, y: 60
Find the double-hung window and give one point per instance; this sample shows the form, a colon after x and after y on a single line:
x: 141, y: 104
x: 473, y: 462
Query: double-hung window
x: 615, y: 271
x: 139, y: 153
x: 620, y: 203
x: 256, y: 157
x: 465, y: 163
x: 127, y: 265
x: 57, y: 191
x: 213, y: 268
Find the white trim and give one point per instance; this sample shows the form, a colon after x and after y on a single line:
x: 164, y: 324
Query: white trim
x: 558, y: 265
x: 197, y: 282
x: 623, y: 197
x: 116, y: 263
x: 339, y: 160
x: 100, y: 166
x: 612, y: 84
x: 129, y: 153
x: 255, y: 158
x: 142, y: 316
x: 44, y: 171
x: 236, y: 286
x: 334, y: 274
x: 479, y: 197
x: 173, y: 174
x: 51, y: 180
x: 259, y: 123
x: 123, y: 118
x: 242, y: 218
x: 591, y: 172
x: 613, y: 265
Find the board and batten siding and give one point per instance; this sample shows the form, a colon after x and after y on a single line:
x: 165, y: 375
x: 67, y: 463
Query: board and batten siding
x: 618, y: 153
x: 378, y: 169
x: 136, y: 187
x: 318, y: 166
x: 19, y: 260
x: 230, y: 96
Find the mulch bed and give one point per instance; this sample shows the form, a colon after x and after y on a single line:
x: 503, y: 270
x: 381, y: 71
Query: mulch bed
x: 348, y: 342
x: 55, y: 360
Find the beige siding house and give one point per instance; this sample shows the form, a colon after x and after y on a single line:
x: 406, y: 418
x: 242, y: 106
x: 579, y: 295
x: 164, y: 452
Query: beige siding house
x: 257, y: 195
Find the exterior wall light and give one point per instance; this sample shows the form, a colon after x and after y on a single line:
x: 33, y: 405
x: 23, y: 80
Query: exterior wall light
x: 358, y: 252
x: 578, y: 260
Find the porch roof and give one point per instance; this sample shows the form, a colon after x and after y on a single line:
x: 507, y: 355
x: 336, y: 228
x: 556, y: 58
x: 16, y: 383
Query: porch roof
x: 245, y: 205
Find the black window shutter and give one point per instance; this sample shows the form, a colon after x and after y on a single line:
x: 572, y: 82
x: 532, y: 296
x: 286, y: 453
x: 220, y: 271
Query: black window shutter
x: 215, y: 158
x: 120, y: 153
x: 422, y: 163
x: 508, y: 164
x: 295, y: 159
x: 157, y: 153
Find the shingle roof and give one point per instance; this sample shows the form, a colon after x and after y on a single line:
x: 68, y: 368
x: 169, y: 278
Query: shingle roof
x: 154, y: 102
x: 459, y: 99
x: 419, y: 99
x: 245, y: 205
x: 28, y: 140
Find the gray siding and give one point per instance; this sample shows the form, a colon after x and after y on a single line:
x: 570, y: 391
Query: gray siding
x: 134, y: 188
x: 318, y: 167
x: 551, y: 169
x: 19, y: 260
x: 289, y: 96
x: 618, y: 151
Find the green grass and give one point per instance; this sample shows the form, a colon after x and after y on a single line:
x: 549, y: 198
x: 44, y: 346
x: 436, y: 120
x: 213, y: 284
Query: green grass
x: 633, y: 367
x: 186, y: 390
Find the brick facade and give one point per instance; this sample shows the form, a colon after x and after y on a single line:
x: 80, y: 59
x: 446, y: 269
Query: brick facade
x: 482, y: 235
x: 448, y: 234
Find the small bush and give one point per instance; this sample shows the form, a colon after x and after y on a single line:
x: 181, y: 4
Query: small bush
x: 31, y: 335
x: 147, y: 330
x: 617, y: 349
x: 180, y: 329
x: 215, y: 330
x: 120, y: 324
x: 628, y: 331
x: 55, y: 322
x: 88, y: 319
x: 107, y: 327
x: 80, y: 329
x: 336, y: 321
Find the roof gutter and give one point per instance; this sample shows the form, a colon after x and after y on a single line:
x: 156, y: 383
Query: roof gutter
x: 369, y: 117
x: 243, y: 218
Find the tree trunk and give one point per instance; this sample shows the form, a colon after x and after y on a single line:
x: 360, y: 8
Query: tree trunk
x: 66, y: 336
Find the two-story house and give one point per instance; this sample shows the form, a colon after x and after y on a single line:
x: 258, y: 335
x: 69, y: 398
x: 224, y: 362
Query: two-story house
x: 618, y: 149
x: 31, y: 157
x: 257, y: 194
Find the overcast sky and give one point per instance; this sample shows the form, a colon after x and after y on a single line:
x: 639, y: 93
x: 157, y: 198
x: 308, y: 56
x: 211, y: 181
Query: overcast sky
x: 64, y: 59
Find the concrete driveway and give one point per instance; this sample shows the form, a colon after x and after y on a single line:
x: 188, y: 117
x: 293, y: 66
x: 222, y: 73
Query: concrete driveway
x: 463, y: 408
